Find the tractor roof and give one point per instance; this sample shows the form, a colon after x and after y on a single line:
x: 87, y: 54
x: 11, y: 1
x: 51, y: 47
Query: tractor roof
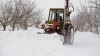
x: 57, y: 8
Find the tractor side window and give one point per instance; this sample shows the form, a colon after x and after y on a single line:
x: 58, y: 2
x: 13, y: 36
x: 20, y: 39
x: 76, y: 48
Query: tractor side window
x: 52, y: 14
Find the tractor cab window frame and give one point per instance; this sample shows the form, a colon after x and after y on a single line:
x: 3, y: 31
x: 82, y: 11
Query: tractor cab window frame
x: 53, y: 14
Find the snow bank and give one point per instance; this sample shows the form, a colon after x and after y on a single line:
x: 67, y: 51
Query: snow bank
x: 28, y: 43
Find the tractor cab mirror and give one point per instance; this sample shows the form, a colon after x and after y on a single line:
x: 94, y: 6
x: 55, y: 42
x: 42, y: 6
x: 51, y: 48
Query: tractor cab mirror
x: 71, y: 8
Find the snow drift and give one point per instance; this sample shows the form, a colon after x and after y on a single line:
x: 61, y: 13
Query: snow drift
x: 28, y: 43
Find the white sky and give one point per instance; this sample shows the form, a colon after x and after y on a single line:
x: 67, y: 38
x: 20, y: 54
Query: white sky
x: 46, y: 4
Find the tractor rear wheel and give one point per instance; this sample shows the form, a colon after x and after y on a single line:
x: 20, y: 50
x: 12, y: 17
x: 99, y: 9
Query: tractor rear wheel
x: 69, y: 38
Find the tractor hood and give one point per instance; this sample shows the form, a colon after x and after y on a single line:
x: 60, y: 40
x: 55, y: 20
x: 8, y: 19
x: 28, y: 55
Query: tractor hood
x: 49, y: 22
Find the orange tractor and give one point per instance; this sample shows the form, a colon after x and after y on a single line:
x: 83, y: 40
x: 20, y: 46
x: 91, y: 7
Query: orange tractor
x: 59, y: 22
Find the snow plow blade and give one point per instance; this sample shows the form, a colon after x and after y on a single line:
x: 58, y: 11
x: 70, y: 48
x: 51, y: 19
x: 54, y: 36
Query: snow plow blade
x: 39, y: 33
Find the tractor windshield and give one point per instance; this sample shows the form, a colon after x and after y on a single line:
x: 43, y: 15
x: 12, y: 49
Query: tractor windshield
x: 56, y: 14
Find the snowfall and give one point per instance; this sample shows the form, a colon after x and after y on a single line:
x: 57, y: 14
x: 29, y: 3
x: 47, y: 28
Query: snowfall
x: 29, y: 43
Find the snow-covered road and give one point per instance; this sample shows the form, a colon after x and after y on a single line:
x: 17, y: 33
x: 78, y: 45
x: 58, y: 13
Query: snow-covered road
x: 28, y: 43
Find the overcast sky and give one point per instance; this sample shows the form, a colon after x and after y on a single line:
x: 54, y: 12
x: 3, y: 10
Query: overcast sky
x: 46, y: 4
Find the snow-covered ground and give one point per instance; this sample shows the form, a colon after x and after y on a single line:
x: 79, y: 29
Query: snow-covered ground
x: 28, y: 43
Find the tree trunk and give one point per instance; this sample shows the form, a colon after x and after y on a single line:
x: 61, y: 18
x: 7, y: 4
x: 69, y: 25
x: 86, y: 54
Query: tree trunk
x: 25, y: 27
x: 13, y: 27
x: 4, y: 27
x: 97, y: 31
x: 25, y: 24
x: 17, y: 27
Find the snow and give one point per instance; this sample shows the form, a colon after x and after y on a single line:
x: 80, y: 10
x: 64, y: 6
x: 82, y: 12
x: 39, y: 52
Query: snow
x: 28, y: 43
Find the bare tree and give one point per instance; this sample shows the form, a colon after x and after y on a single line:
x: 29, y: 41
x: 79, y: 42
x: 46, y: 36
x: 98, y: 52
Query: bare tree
x: 87, y: 18
x: 5, y: 13
x: 96, y: 14
x: 38, y: 19
x: 19, y: 13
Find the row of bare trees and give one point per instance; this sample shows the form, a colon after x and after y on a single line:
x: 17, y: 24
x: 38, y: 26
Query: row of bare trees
x: 88, y: 17
x: 20, y: 14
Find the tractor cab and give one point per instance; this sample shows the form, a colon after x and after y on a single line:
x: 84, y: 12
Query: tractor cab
x: 56, y: 20
x: 56, y: 14
x: 59, y: 15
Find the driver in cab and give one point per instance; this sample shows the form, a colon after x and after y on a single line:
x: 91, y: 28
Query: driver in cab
x: 59, y: 18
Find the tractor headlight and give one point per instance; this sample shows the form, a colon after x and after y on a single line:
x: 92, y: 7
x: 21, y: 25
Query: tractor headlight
x: 47, y: 26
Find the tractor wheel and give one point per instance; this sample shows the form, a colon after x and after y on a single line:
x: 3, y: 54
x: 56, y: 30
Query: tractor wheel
x: 71, y: 36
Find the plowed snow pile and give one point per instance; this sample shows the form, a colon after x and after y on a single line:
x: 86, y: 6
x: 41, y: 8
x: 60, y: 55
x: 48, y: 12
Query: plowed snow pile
x: 28, y: 43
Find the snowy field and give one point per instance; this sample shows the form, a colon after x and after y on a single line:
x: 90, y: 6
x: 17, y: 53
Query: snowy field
x: 28, y: 43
